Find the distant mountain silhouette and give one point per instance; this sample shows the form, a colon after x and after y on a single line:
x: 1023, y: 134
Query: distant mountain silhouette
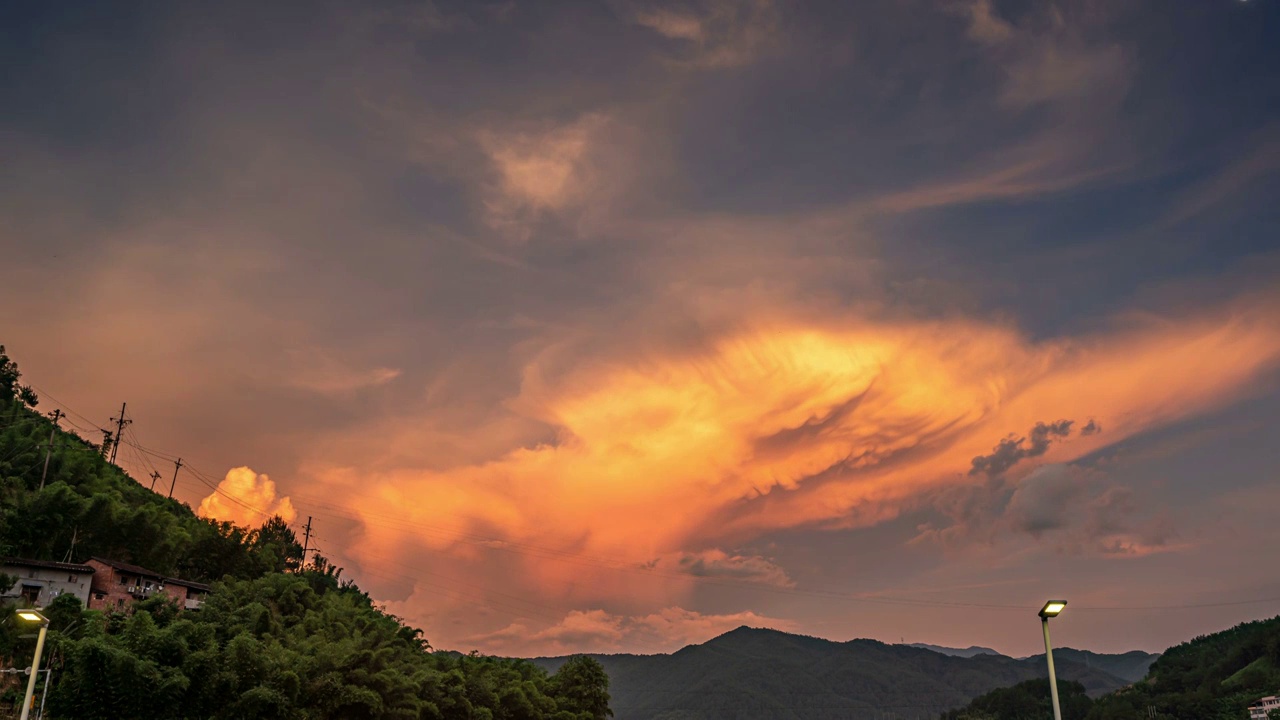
x: 1131, y: 666
x: 956, y: 652
x: 751, y: 673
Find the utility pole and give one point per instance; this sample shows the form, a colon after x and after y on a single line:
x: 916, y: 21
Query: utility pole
x: 306, y: 541
x: 177, y: 465
x: 57, y: 416
x: 155, y: 475
x: 75, y: 532
x: 120, y: 423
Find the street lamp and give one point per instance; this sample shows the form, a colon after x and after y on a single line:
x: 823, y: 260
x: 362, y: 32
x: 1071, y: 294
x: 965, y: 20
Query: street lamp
x: 33, y: 616
x: 1051, y: 609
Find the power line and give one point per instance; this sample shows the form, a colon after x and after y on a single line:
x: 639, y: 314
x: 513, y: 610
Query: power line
x: 504, y: 545
x: 525, y: 549
x: 44, y: 394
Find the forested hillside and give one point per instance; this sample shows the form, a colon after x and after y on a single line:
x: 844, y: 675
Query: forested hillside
x: 1028, y: 700
x: 756, y: 673
x: 274, y: 639
x: 1213, y: 677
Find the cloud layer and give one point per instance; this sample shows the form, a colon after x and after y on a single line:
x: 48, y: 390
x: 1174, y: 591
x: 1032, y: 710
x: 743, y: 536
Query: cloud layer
x: 617, y: 323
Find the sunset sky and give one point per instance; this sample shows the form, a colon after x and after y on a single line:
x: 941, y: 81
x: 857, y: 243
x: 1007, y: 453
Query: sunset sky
x: 613, y: 325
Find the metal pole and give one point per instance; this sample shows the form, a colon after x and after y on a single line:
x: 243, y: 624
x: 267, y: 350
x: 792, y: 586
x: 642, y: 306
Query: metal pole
x: 48, y: 678
x: 35, y: 670
x: 1053, y: 678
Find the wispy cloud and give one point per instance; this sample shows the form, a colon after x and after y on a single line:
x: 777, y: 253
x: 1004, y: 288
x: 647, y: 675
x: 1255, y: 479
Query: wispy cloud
x: 718, y: 33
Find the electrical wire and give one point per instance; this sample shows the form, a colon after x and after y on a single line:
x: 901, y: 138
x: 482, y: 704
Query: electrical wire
x: 528, y: 550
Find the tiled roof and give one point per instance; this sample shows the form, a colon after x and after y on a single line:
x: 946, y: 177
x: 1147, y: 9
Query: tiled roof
x: 49, y: 564
x: 133, y: 569
x: 188, y: 583
x: 138, y: 570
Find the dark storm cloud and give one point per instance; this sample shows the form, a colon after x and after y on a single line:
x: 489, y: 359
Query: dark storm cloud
x: 1012, y: 450
x: 1068, y: 507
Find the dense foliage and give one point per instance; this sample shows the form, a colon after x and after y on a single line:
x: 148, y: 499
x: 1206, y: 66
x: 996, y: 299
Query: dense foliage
x: 289, y: 646
x: 1213, y: 677
x: 1028, y: 700
x: 273, y: 640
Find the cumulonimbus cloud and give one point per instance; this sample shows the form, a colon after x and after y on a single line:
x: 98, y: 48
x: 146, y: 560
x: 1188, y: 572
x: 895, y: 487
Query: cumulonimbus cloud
x: 786, y: 425
x: 255, y: 499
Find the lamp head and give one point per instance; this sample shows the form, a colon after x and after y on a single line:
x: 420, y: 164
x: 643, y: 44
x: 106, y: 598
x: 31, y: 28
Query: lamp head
x: 33, y: 616
x: 1052, y: 608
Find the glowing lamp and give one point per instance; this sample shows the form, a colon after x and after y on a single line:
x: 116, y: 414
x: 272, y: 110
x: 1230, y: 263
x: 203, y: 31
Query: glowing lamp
x: 1052, y: 608
x: 33, y: 616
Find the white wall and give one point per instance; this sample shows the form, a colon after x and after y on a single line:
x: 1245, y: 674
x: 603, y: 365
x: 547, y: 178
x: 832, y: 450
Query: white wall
x: 52, y: 583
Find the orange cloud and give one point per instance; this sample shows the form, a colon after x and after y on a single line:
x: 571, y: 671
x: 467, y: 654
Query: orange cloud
x: 250, y: 490
x: 786, y: 425
x: 600, y: 632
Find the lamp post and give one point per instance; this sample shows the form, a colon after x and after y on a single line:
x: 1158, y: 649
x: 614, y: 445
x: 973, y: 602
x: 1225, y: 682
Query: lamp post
x: 1051, y: 609
x: 33, y: 616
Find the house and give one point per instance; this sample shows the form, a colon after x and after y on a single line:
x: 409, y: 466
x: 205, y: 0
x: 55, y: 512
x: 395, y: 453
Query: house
x: 196, y: 592
x: 117, y: 584
x: 1260, y: 709
x: 40, y: 581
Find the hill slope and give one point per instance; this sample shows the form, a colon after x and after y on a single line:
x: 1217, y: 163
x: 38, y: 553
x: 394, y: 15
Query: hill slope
x: 754, y: 673
x: 956, y: 652
x: 1212, y: 677
x: 275, y: 639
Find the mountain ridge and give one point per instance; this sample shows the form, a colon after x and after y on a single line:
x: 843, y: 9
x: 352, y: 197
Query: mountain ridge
x: 957, y: 652
x: 761, y: 672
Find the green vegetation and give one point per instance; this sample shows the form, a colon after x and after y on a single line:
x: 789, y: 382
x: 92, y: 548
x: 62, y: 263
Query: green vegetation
x: 1213, y: 677
x: 1028, y: 700
x: 273, y: 640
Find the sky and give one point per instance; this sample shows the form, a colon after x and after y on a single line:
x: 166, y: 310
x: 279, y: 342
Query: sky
x: 611, y: 326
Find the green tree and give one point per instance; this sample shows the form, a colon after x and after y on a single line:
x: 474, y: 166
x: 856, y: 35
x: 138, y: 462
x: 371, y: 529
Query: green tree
x: 581, y: 686
x: 10, y: 390
x: 1028, y: 700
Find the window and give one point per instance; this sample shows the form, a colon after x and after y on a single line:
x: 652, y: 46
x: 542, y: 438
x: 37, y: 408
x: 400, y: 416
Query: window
x: 71, y: 578
x: 31, y: 593
x: 122, y: 580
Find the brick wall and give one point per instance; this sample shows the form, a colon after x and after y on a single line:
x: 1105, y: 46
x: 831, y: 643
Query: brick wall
x: 115, y: 588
